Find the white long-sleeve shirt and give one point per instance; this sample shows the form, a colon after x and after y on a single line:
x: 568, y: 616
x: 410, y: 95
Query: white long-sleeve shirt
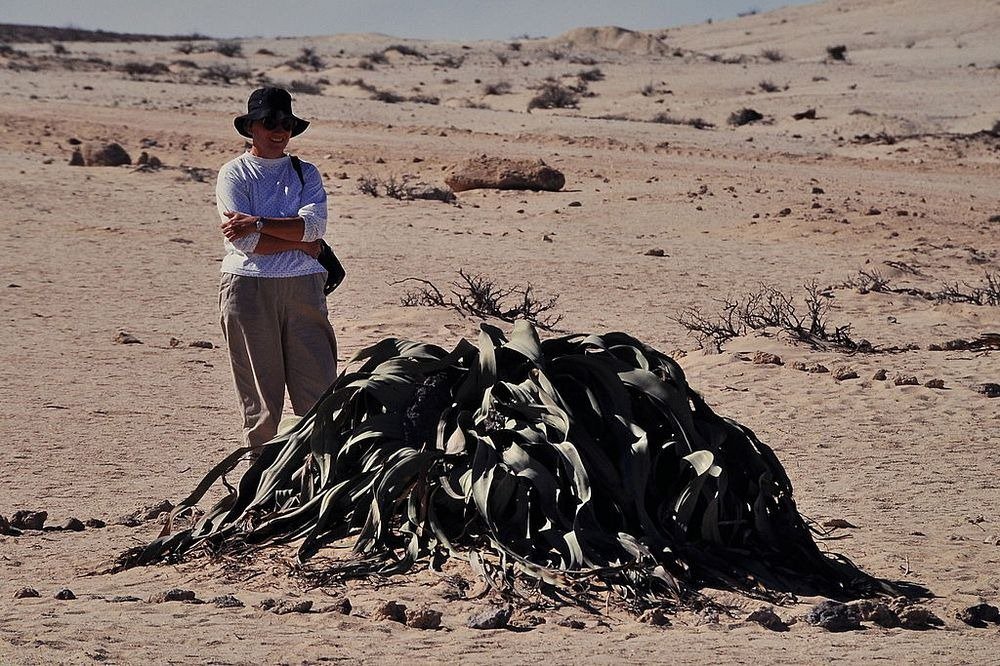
x: 271, y: 188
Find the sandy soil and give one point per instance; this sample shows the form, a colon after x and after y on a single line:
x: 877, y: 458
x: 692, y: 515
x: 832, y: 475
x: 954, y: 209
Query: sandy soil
x: 93, y: 428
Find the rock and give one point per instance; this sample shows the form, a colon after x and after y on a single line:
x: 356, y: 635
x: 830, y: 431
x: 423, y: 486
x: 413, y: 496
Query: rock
x: 202, y: 344
x: 811, y: 367
x: 424, y: 618
x: 65, y: 594
x: 285, y: 606
x: 808, y: 114
x: 495, y: 617
x: 767, y: 618
x: 873, y: 211
x: 655, y: 616
x: 120, y: 599
x: 341, y: 605
x: 744, y: 116
x: 72, y: 525
x: 153, y: 511
x: 226, y: 601
x: 818, y: 190
x: 905, y: 380
x: 341, y: 175
x: 154, y: 162
x: 843, y: 373
x: 105, y: 154
x: 429, y: 192
x: 28, y: 520
x: 834, y: 616
x: 95, y: 523
x: 571, y: 623
x: 988, y: 389
x: 656, y: 252
x: 979, y: 615
x: 126, y: 338
x: 935, y: 383
x: 176, y: 594
x: 766, y: 358
x: 880, y: 375
x: 4, y: 525
x: 76, y: 159
x: 876, y: 612
x: 26, y: 593
x: 574, y: 204
x: 919, y: 618
x: 784, y: 212
x: 142, y: 159
x: 392, y: 611
x: 504, y: 174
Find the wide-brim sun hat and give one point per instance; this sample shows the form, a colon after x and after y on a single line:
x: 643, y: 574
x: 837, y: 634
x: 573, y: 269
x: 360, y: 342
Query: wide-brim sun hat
x: 266, y: 102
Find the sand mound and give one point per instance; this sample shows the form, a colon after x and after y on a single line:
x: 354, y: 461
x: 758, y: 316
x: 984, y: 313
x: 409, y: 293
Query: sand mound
x: 611, y: 38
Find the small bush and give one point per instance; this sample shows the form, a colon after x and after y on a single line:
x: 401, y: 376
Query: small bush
x: 554, y: 96
x: 403, y: 49
x: 360, y: 83
x: 424, y: 99
x: 59, y: 49
x: 498, y: 88
x: 697, y: 123
x: 186, y: 64
x: 144, y: 69
x: 555, y: 54
x: 305, y: 87
x: 502, y: 58
x: 582, y: 60
x: 365, y: 64
x: 308, y: 58
x: 387, y: 96
x: 768, y: 86
x: 514, y: 46
x: 838, y: 52
x: 231, y: 48
x: 368, y: 185
x: 224, y: 73
x: 744, y: 117
x: 451, y: 62
x: 265, y: 52
x: 185, y: 48
x: 377, y: 58
x: 590, y: 75
x: 773, y: 55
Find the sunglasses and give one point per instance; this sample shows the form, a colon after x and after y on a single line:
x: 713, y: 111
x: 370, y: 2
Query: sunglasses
x: 272, y: 123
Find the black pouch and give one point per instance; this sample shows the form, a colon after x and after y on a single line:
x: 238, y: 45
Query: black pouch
x: 335, y: 272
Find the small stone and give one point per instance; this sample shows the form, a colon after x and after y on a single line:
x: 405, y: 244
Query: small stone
x: 979, y: 615
x: 817, y: 368
x: 154, y: 162
x: 175, y: 594
x: 94, y: 523
x: 26, y: 593
x: 784, y: 212
x: 226, y: 601
x: 107, y: 154
x: 873, y: 211
x: 880, y: 375
x: 65, y: 594
x: 424, y: 618
x: 574, y: 204
x: 203, y: 344
x: 766, y: 358
x: 76, y: 159
x: 495, y: 617
x: 905, y: 380
x: 767, y: 618
x: 919, y: 618
x: 4, y: 525
x: 286, y: 606
x: 834, y: 616
x: 817, y: 190
x: 935, y: 383
x: 391, y: 611
x: 799, y: 365
x: 571, y: 623
x: 126, y: 338
x: 72, y: 525
x: 843, y: 373
x: 655, y: 616
x: 427, y: 192
x: 341, y: 605
x: 989, y: 390
x: 29, y: 520
x: 656, y: 252
x: 142, y: 159
x: 341, y: 175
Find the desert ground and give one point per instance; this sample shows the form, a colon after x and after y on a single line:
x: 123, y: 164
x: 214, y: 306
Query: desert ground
x: 894, y: 174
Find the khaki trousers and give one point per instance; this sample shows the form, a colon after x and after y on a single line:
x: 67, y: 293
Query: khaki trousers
x: 279, y: 337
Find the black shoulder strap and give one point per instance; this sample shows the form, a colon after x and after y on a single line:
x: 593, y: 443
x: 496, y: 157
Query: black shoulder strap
x: 297, y: 165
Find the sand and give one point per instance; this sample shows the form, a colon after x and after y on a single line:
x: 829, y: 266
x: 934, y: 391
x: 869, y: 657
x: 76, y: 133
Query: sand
x: 95, y: 429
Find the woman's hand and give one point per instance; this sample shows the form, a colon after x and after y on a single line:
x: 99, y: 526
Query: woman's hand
x: 238, y: 225
x: 313, y: 248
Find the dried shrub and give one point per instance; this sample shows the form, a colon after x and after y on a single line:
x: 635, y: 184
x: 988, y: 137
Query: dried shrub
x: 387, y: 96
x: 368, y: 185
x: 769, y: 308
x: 667, y: 119
x: 365, y: 64
x: 405, y: 50
x: 136, y: 69
x: 480, y: 296
x: 59, y: 49
x: 307, y: 59
x: 231, y: 48
x: 498, y: 88
x: 265, y: 52
x: 185, y: 48
x: 552, y: 95
x: 590, y: 75
x: 582, y: 60
x: 768, y: 86
x: 502, y: 58
x: 224, y: 73
x: 305, y: 87
x: 772, y: 55
x: 744, y: 117
x: 186, y: 64
x: 451, y: 62
x: 377, y: 58
x: 838, y: 52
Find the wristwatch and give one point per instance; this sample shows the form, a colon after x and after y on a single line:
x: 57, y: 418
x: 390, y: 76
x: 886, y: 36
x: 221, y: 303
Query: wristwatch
x: 260, y: 223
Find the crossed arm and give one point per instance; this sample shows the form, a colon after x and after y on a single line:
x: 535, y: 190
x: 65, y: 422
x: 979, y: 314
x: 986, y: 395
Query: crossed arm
x: 279, y: 234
